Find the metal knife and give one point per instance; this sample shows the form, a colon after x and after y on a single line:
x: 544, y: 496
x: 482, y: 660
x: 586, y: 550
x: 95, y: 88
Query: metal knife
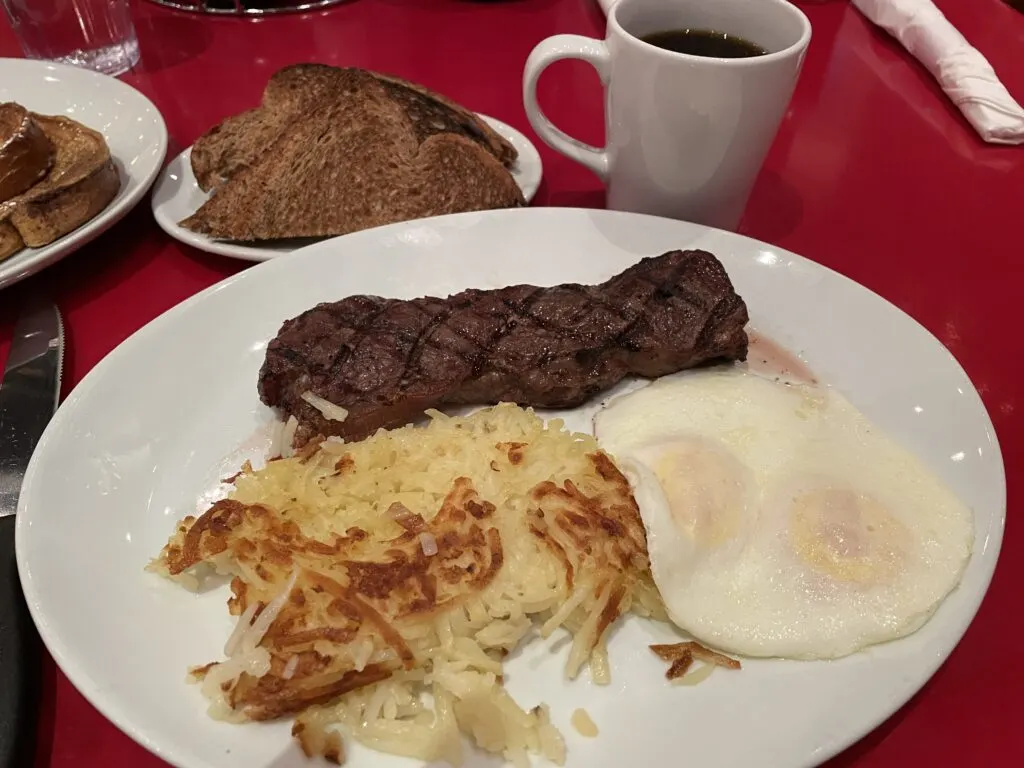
x: 29, y: 392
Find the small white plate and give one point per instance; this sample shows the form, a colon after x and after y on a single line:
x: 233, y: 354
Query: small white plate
x: 131, y: 124
x: 149, y: 431
x: 177, y: 196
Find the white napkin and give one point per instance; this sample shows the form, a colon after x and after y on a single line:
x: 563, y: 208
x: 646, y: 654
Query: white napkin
x: 962, y: 72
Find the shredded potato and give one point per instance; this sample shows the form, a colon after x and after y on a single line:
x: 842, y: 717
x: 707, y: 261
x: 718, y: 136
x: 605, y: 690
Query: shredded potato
x: 392, y: 576
x: 583, y: 723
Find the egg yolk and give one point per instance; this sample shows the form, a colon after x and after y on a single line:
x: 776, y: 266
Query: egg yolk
x: 704, y: 489
x: 848, y: 536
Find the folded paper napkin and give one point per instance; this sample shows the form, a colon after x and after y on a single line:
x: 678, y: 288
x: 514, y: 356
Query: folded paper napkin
x: 962, y: 72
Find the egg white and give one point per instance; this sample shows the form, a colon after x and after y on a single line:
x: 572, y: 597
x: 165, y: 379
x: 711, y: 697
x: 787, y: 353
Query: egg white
x: 780, y: 521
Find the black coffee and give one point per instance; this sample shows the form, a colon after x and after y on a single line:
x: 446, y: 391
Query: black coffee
x: 704, y: 42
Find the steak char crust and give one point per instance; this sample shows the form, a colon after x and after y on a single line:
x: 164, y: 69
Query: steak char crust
x: 387, y: 360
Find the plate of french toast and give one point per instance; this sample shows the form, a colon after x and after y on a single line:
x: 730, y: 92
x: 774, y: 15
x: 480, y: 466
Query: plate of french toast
x: 331, y: 150
x: 77, y: 151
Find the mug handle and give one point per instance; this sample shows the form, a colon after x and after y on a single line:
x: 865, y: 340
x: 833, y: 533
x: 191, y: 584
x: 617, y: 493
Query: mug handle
x: 547, y: 52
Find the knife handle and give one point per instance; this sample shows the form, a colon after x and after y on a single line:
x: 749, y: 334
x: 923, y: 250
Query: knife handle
x: 20, y: 659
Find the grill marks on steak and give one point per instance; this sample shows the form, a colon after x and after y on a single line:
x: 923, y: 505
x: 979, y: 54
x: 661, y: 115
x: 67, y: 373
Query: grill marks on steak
x: 387, y: 360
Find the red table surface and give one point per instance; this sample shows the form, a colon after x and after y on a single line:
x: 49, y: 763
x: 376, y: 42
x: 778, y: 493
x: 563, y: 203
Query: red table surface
x: 874, y: 174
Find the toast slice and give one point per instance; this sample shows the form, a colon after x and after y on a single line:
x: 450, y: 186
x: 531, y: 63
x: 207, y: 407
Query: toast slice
x: 26, y: 154
x: 239, y: 142
x: 81, y: 183
x: 432, y: 113
x: 349, y: 166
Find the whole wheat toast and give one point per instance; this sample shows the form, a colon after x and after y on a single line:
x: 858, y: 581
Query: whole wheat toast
x: 349, y: 166
x: 239, y: 141
x: 81, y: 183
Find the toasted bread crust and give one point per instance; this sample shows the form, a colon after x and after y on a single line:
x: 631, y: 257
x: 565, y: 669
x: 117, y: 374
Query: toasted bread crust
x: 496, y: 143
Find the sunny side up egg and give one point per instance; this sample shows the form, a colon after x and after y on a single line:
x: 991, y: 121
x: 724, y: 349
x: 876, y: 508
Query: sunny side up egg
x: 780, y: 521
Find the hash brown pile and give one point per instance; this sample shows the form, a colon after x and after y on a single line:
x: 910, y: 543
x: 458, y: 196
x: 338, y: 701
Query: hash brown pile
x: 412, y: 562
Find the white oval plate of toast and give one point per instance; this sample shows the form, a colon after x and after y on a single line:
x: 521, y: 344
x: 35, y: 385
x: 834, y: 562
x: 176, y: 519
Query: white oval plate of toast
x: 132, y: 126
x: 102, y: 495
x: 177, y: 196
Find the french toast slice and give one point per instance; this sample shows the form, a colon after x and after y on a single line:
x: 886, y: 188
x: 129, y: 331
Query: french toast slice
x: 10, y: 240
x: 81, y: 183
x: 26, y: 153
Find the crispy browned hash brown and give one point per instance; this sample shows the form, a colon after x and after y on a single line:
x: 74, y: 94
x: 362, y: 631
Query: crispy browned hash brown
x: 681, y: 656
x: 379, y: 585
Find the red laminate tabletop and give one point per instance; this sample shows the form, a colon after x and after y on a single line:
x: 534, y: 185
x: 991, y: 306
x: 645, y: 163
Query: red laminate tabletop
x: 874, y: 173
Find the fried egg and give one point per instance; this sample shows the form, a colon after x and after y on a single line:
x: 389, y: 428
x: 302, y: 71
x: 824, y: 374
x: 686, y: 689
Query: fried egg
x: 780, y: 521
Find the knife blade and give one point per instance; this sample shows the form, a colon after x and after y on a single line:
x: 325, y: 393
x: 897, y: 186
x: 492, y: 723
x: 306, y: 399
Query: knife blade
x: 29, y: 392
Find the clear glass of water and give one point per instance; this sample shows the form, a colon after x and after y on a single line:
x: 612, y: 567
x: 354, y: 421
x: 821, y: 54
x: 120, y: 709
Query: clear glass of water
x: 95, y: 34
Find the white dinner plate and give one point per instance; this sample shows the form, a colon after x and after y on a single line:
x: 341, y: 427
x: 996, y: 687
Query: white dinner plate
x: 148, y: 433
x: 177, y: 196
x: 132, y: 126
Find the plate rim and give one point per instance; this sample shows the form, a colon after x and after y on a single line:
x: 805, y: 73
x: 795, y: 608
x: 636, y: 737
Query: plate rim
x: 76, y: 672
x: 258, y: 255
x: 20, y: 266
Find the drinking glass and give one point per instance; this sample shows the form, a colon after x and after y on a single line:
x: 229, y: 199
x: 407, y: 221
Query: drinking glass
x: 95, y: 34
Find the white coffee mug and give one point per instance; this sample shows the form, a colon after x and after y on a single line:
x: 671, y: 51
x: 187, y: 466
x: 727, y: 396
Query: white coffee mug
x: 685, y: 135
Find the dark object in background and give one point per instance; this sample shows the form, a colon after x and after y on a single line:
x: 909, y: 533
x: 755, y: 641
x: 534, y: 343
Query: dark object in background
x: 247, y: 7
x: 29, y: 390
x: 1017, y: 5
x: 20, y: 662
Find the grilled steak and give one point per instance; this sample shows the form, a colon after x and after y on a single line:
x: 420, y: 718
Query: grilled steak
x: 387, y: 360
